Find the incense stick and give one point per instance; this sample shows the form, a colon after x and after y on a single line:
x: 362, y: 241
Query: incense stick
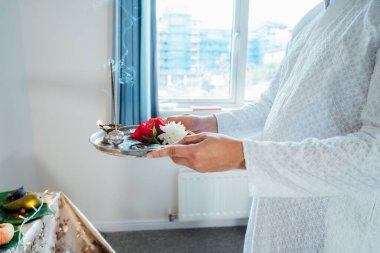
x: 113, y: 96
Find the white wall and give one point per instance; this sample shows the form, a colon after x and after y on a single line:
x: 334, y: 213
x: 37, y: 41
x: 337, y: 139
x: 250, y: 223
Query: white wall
x: 65, y: 45
x: 17, y: 163
x: 54, y: 87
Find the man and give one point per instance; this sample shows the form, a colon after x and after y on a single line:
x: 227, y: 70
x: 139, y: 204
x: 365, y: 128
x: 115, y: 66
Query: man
x: 314, y: 170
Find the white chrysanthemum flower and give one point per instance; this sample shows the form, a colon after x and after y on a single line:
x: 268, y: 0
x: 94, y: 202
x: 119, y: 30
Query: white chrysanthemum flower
x: 173, y: 132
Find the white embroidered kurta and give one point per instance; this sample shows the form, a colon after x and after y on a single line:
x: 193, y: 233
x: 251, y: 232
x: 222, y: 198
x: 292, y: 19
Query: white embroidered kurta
x: 314, y: 171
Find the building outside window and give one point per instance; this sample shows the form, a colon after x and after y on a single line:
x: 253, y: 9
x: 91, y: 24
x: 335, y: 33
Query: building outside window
x: 210, y: 52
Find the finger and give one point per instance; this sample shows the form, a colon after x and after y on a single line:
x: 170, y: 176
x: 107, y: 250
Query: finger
x: 192, y: 139
x: 173, y: 118
x: 172, y: 151
x: 169, y: 119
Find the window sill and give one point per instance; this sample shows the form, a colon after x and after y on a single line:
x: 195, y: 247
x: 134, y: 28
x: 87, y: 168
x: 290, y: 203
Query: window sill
x: 201, y: 111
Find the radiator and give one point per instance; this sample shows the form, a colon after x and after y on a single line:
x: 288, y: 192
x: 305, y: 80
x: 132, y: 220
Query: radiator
x: 210, y: 196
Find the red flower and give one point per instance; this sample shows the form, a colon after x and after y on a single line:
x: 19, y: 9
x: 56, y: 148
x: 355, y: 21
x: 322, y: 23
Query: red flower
x: 147, y: 132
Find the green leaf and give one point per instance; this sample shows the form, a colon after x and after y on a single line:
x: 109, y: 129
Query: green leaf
x: 148, y: 139
x: 3, y: 196
x: 13, y: 243
x: 9, y: 216
x: 154, y: 132
x: 152, y: 140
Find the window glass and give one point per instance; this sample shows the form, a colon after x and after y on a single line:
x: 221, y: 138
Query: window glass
x: 269, y: 29
x: 194, y: 48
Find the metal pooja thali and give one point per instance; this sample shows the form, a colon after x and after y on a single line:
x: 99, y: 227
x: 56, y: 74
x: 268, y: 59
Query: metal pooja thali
x: 115, y: 139
x: 127, y: 147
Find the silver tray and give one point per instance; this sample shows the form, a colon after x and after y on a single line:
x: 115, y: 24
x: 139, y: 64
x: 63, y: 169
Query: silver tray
x: 128, y: 148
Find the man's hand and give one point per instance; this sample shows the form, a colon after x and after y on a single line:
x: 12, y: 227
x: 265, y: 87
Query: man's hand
x: 196, y: 124
x: 206, y: 152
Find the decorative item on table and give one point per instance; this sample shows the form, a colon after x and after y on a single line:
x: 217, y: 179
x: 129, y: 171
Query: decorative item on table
x: 9, y: 236
x: 156, y: 131
x: 17, y: 208
x: 21, y: 200
x: 6, y: 233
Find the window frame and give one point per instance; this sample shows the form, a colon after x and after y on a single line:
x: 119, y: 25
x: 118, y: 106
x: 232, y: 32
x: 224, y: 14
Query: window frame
x: 237, y: 70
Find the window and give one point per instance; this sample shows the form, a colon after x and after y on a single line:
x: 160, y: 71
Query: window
x: 211, y: 53
x: 269, y: 29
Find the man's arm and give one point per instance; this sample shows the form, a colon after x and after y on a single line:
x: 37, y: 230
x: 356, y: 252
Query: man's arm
x: 342, y: 164
x: 250, y: 118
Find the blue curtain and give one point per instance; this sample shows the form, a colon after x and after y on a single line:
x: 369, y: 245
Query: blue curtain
x: 137, y: 61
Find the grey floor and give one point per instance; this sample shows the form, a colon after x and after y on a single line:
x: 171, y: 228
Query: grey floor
x: 203, y: 240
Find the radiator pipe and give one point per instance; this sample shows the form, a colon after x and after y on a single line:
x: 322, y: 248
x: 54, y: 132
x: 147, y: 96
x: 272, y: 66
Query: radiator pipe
x: 172, y: 216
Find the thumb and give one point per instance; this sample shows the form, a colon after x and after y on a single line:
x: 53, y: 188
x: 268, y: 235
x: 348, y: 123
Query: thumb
x: 171, y: 151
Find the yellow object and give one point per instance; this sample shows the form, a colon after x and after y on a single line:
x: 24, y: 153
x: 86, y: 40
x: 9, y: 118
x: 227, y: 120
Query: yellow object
x: 29, y: 201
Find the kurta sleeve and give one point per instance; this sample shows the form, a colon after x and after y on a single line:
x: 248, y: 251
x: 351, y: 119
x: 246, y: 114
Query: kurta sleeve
x: 251, y: 118
x: 337, y: 165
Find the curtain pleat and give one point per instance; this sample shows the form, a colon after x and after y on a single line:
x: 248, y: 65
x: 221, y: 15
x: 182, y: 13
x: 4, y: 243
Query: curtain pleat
x: 137, y: 62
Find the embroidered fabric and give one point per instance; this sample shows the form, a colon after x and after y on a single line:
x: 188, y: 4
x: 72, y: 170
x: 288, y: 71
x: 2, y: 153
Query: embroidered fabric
x: 67, y: 230
x: 314, y: 168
